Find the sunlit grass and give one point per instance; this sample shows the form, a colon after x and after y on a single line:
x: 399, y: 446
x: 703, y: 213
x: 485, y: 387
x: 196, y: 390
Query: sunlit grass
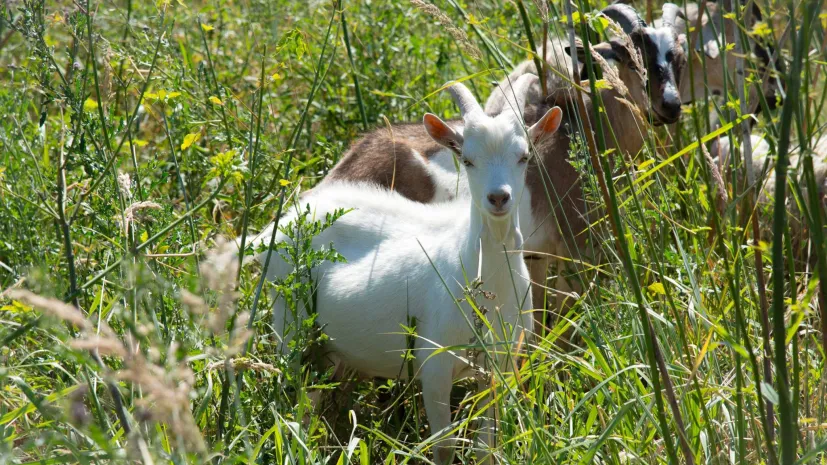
x: 133, y: 138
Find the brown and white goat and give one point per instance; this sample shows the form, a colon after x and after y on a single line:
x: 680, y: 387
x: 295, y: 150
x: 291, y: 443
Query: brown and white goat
x: 628, y: 105
x: 663, y: 50
x: 710, y: 79
x: 663, y: 61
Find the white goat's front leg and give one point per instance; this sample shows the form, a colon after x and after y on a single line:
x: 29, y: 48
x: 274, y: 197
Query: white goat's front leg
x: 437, y: 379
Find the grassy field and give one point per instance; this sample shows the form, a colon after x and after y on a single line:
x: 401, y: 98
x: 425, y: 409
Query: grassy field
x: 135, y: 136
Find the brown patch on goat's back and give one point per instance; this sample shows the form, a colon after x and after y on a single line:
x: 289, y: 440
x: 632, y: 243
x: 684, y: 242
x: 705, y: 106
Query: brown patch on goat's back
x: 387, y: 156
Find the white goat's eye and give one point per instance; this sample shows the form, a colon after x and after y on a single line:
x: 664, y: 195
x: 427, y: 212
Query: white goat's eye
x: 524, y: 159
x: 467, y: 162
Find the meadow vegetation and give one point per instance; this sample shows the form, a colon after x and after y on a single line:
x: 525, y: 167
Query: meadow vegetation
x: 136, y: 137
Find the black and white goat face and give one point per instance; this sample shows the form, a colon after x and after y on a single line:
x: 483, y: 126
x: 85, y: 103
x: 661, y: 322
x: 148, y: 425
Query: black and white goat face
x: 664, y: 57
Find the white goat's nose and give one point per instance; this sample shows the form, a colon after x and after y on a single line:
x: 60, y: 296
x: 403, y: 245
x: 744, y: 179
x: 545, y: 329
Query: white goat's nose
x: 499, y: 198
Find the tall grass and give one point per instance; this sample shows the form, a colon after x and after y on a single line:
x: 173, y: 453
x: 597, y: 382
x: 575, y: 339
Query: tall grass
x: 136, y: 134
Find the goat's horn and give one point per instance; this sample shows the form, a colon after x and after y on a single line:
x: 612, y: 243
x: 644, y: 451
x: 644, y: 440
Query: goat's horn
x: 523, y: 87
x: 464, y: 99
x: 626, y: 16
x: 670, y: 13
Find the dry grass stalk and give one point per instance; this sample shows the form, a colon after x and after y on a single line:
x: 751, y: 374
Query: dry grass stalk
x: 610, y: 74
x: 542, y: 8
x: 195, y: 304
x: 166, y: 396
x: 166, y: 393
x: 634, y: 53
x: 244, y: 363
x: 240, y: 335
x: 641, y: 120
x: 12, y: 287
x: 717, y: 181
x: 219, y: 271
x: 130, y: 212
x: 103, y: 345
x: 51, y: 306
x: 458, y: 34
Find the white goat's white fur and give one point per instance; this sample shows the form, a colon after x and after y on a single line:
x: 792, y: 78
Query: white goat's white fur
x: 410, y: 260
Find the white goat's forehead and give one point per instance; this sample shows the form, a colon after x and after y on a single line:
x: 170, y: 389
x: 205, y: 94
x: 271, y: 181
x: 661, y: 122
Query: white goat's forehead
x: 493, y: 137
x: 663, y: 39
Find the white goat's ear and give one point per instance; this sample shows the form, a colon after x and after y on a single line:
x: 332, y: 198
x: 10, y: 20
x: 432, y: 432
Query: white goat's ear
x: 442, y: 133
x: 548, y: 125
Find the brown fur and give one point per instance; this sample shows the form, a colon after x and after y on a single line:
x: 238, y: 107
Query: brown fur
x: 386, y: 157
x: 554, y: 184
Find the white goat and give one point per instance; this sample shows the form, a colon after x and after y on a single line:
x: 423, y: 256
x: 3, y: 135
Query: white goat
x: 402, y: 254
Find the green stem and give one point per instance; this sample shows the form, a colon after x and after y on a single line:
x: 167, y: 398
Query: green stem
x: 537, y: 62
x: 628, y: 264
x: 800, y: 44
x: 359, y: 100
x: 153, y: 239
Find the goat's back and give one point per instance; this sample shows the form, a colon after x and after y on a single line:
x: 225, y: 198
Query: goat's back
x: 395, y: 158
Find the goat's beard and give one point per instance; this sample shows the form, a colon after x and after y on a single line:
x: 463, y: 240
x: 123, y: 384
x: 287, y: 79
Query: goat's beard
x: 504, y: 230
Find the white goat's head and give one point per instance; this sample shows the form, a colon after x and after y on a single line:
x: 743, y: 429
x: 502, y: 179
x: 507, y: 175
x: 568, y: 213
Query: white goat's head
x: 495, y: 151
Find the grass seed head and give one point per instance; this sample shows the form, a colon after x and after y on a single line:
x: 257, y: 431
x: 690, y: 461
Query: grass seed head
x: 131, y: 212
x: 458, y: 34
x: 51, y: 306
x: 219, y: 271
x: 103, y: 345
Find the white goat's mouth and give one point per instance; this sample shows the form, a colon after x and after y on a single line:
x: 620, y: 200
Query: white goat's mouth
x: 499, y: 215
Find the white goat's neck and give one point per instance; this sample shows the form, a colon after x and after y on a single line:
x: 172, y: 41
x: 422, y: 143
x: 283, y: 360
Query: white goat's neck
x: 489, y: 241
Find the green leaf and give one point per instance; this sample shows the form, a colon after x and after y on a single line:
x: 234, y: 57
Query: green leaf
x: 364, y: 453
x: 769, y: 393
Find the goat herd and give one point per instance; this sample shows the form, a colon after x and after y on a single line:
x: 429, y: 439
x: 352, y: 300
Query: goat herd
x: 421, y: 232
